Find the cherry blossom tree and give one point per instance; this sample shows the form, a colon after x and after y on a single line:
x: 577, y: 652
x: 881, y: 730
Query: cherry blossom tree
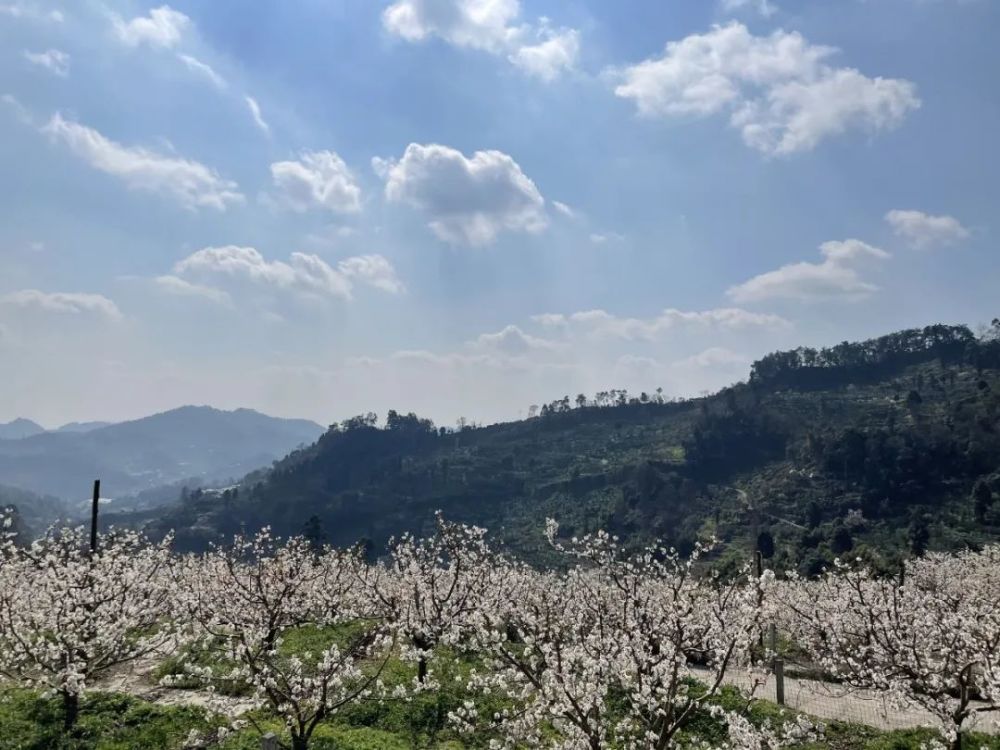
x: 928, y: 639
x: 604, y: 653
x: 68, y: 616
x: 431, y: 588
x: 242, y: 602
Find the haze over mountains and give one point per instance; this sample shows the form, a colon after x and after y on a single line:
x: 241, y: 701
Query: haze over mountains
x: 189, y: 443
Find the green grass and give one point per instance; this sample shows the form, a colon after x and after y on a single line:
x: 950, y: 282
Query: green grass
x: 107, y: 722
x: 118, y: 722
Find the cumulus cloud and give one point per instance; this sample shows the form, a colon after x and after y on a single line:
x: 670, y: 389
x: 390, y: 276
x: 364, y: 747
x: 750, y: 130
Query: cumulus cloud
x: 468, y: 200
x: 836, y: 277
x: 53, y: 60
x: 489, y: 25
x: 922, y: 230
x: 203, y: 69
x: 189, y: 182
x: 304, y: 274
x: 602, y: 324
x: 258, y: 119
x: 554, y: 53
x: 162, y: 28
x: 318, y: 179
x: 374, y: 270
x: 511, y: 341
x: 179, y: 287
x: 779, y: 90
x: 62, y: 303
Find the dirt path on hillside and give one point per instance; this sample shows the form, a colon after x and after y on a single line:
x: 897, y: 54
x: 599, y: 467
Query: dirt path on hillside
x: 138, y: 680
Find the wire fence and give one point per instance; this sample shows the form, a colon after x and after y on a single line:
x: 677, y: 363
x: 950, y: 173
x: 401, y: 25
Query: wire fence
x: 800, y: 685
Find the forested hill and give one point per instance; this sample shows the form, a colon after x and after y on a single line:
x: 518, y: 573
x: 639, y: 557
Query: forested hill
x: 883, y: 447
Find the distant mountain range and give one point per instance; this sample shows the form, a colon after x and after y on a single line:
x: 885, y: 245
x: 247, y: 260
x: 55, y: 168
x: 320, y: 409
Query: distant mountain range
x: 196, y: 443
x: 22, y: 428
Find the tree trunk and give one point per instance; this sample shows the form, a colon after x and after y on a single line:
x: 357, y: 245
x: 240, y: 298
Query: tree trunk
x: 422, y: 670
x: 71, y: 709
x: 956, y: 744
x: 300, y: 742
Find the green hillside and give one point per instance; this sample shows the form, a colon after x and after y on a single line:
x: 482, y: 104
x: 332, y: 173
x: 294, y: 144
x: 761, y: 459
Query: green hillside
x: 884, y: 447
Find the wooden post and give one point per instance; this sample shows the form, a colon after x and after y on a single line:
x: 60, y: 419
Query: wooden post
x: 269, y: 742
x: 778, y: 666
x: 93, y: 516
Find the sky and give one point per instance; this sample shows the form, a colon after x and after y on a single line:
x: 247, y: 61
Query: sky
x: 317, y: 208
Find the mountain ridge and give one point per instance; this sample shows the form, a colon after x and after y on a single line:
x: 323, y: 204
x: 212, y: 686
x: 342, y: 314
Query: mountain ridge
x: 198, y: 442
x: 20, y: 428
x: 876, y: 447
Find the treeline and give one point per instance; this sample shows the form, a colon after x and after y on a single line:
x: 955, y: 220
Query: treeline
x: 882, y: 357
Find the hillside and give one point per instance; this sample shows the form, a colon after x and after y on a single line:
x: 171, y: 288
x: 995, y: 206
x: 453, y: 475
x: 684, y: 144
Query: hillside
x: 192, y: 442
x: 886, y: 446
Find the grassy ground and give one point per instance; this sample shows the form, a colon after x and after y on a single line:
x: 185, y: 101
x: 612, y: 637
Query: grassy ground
x: 118, y: 722
x: 110, y: 721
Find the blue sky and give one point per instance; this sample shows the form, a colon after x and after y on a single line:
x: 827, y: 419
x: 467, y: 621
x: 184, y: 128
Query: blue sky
x: 463, y: 207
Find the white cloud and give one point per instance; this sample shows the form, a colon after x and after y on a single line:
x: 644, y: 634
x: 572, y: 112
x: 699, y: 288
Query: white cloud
x: 203, y: 69
x: 375, y: 270
x: 922, y: 230
x: 778, y: 89
x: 797, y: 115
x: 256, y: 115
x: 53, y: 60
x: 468, y: 200
x: 602, y: 324
x: 303, y: 274
x: 564, y: 209
x: 30, y: 12
x: 319, y: 179
x: 713, y: 357
x: 181, y: 288
x: 62, y: 303
x: 189, y: 182
x: 835, y: 277
x: 162, y: 28
x: 480, y: 24
x: 764, y: 8
x: 488, y: 25
x: 554, y: 53
x: 511, y: 341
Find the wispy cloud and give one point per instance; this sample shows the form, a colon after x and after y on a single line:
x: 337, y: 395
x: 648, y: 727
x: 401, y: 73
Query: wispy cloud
x: 188, y: 182
x: 258, y: 119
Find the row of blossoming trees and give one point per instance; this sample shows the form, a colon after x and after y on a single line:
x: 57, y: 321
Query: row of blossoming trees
x: 599, y: 654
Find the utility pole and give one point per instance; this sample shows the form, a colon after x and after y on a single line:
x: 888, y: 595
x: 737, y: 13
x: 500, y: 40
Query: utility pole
x: 93, y: 516
x: 778, y: 667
